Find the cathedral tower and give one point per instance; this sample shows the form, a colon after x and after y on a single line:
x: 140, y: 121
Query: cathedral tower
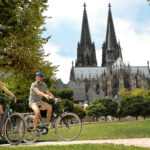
x: 111, y: 49
x: 86, y: 56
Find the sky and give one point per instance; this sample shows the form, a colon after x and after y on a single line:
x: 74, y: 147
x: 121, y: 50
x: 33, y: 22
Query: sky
x: 131, y: 21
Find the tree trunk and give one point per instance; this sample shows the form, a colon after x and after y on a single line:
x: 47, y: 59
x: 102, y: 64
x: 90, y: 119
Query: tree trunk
x: 136, y: 117
x: 119, y: 119
x: 105, y: 118
x: 97, y: 119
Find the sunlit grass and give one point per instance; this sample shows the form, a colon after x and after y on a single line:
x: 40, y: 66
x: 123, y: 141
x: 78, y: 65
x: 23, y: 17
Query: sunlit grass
x: 76, y: 147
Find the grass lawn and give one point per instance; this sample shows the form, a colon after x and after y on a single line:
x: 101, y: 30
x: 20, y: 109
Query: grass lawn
x: 94, y: 131
x: 116, y: 130
x: 76, y: 147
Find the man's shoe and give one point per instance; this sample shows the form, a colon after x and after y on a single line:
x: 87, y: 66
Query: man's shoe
x: 36, y: 132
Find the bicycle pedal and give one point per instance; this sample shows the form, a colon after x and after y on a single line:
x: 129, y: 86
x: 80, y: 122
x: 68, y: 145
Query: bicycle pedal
x: 2, y: 135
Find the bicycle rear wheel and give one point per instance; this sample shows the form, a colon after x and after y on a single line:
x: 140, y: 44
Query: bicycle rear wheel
x: 14, y: 129
x: 68, y: 126
x: 29, y: 136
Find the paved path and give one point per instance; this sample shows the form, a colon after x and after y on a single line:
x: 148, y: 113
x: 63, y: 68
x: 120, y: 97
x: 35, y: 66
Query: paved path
x: 140, y: 142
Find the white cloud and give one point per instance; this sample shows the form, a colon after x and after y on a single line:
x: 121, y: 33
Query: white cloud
x: 73, y: 10
x: 135, y: 46
x: 64, y: 63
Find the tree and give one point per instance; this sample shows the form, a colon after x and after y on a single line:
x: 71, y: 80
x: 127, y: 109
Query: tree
x: 138, y: 92
x: 147, y: 94
x: 21, y: 44
x: 55, y: 92
x: 124, y: 93
x: 132, y: 105
x: 119, y: 113
x: 66, y: 94
x: 79, y: 111
x: 110, y: 105
x: 95, y: 110
x: 146, y: 107
x: 66, y: 105
x: 67, y: 99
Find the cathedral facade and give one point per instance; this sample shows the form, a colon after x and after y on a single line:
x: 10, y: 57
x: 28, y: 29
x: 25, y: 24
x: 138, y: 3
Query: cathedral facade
x: 89, y: 81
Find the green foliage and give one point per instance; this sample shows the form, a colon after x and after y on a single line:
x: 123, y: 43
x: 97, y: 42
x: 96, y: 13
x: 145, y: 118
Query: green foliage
x: 21, y: 44
x: 102, y: 107
x: 147, y: 94
x: 95, y: 110
x: 138, y: 92
x: 146, y: 107
x: 66, y: 94
x: 54, y: 92
x: 132, y: 105
x: 79, y: 111
x: 66, y: 106
x: 110, y: 105
x: 67, y: 102
x: 124, y: 93
x: 21, y: 105
x: 63, y: 93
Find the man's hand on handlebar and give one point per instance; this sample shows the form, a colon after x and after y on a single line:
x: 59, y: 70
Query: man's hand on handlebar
x: 47, y: 96
x: 55, y: 99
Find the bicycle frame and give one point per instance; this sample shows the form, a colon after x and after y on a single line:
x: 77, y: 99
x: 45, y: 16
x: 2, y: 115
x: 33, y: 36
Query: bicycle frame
x: 57, y: 112
x: 5, y: 115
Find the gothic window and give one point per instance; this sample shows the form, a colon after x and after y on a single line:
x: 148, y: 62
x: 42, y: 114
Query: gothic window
x: 87, y: 60
x: 97, y: 88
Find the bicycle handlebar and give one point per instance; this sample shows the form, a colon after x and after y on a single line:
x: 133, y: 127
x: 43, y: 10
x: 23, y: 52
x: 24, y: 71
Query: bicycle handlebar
x: 57, y: 100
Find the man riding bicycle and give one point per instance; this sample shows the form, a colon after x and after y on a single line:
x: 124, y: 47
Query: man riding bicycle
x: 9, y: 93
x: 37, y: 91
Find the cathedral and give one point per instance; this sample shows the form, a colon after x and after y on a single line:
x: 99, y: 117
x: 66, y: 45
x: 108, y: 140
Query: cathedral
x: 90, y: 81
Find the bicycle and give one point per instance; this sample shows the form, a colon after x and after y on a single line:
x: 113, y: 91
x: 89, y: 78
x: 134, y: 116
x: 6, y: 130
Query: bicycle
x: 67, y: 125
x: 12, y: 126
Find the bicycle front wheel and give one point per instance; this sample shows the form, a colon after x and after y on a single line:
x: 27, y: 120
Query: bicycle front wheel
x: 68, y: 126
x: 14, y: 128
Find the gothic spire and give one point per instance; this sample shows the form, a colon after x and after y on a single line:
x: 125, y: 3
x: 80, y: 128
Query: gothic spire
x: 110, y: 34
x: 86, y: 55
x: 85, y: 32
x: 111, y: 49
x: 72, y: 72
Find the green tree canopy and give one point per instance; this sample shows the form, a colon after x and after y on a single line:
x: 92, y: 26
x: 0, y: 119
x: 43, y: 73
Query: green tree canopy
x: 66, y: 94
x: 95, y: 110
x: 110, y: 105
x: 146, y: 107
x: 66, y: 105
x: 79, y: 111
x: 21, y: 44
x: 132, y: 106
